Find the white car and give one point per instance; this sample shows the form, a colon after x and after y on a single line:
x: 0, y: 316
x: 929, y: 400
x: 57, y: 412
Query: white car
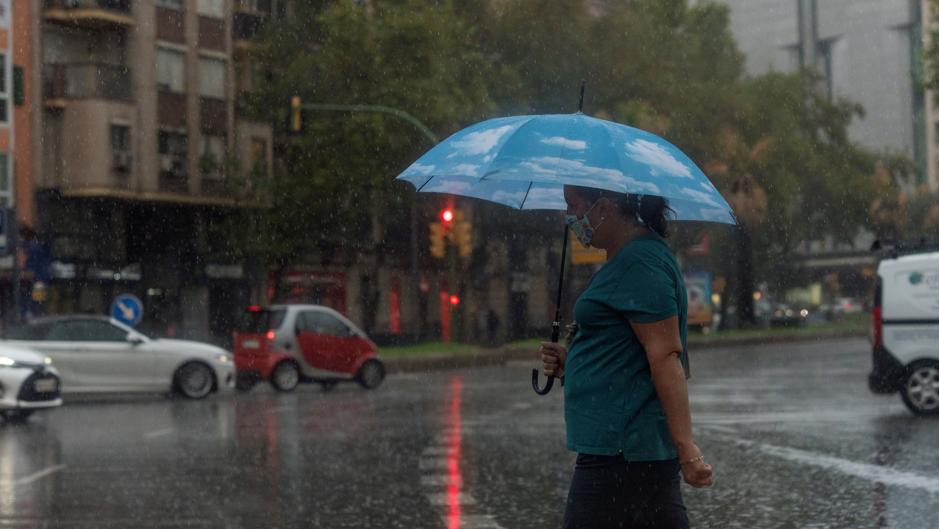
x: 28, y: 382
x: 96, y: 354
x: 905, y: 330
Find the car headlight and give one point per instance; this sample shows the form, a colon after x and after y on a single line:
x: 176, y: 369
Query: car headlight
x: 6, y: 361
x: 223, y: 358
x: 47, y: 360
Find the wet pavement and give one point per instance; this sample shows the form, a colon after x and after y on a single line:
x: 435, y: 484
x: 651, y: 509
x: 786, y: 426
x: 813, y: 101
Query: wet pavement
x: 796, y: 439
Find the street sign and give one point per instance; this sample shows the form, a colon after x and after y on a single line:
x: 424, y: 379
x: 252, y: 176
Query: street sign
x: 127, y: 309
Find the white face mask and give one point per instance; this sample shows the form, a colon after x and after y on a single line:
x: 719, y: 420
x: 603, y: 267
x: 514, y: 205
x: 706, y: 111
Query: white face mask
x: 581, y: 226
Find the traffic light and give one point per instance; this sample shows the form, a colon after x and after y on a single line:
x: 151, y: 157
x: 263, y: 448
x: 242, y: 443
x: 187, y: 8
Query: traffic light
x: 463, y: 237
x: 446, y: 216
x: 295, y: 121
x: 437, y: 240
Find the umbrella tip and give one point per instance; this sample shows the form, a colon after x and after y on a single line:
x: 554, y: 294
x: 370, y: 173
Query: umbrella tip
x: 583, y: 86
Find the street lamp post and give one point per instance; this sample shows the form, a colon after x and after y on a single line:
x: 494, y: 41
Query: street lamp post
x: 295, y: 124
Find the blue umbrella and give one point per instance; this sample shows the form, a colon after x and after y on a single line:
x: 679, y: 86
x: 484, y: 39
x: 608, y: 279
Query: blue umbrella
x: 524, y: 162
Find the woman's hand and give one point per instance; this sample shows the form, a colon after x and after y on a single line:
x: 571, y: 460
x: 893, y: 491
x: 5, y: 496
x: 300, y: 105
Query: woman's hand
x: 552, y: 358
x: 695, y: 471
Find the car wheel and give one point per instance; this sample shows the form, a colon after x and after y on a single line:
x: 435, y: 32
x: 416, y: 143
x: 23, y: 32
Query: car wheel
x: 286, y: 376
x: 920, y: 391
x: 194, y: 380
x: 371, y: 374
x: 17, y: 416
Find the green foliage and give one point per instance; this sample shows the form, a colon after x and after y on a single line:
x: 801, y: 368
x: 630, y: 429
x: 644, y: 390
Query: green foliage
x: 661, y: 65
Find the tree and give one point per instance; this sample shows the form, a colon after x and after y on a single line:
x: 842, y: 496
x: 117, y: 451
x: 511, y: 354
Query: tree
x: 333, y: 197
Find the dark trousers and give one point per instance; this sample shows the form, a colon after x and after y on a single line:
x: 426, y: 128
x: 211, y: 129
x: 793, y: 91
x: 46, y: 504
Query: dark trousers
x: 608, y: 492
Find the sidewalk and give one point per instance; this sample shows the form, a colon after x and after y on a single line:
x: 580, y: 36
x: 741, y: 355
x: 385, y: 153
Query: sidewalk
x: 501, y: 355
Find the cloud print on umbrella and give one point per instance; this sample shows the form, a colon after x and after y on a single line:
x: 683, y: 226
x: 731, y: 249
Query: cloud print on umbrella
x: 524, y: 162
x: 575, y: 145
x: 656, y: 157
x: 482, y: 142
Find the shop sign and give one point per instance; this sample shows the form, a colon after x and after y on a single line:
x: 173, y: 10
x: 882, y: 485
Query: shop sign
x: 62, y: 270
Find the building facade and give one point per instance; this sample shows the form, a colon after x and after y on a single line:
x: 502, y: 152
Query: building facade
x: 140, y: 149
x: 865, y: 50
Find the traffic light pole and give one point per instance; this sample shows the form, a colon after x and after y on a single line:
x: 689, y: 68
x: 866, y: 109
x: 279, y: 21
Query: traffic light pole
x: 297, y: 105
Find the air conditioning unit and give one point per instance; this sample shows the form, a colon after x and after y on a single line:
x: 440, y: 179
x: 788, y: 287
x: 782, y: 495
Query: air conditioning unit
x: 122, y: 161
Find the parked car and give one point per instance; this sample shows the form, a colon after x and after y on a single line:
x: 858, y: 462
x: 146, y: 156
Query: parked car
x: 96, y: 354
x: 289, y: 344
x: 28, y: 382
x: 785, y: 315
x: 844, y: 305
x: 904, y: 330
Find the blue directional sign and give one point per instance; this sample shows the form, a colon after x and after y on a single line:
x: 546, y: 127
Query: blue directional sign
x: 127, y: 309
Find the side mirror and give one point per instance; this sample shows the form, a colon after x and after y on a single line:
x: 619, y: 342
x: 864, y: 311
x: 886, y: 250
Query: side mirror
x: 297, y: 330
x: 134, y: 339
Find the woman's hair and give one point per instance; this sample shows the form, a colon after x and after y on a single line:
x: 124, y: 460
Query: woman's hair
x: 648, y: 210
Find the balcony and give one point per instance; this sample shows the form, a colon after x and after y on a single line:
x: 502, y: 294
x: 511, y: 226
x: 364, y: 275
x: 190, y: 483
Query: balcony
x: 90, y: 14
x: 85, y: 81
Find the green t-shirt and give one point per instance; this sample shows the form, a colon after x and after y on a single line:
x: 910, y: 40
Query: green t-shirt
x: 610, y: 403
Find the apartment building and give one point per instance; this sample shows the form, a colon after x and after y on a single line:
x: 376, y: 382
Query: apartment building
x: 140, y: 149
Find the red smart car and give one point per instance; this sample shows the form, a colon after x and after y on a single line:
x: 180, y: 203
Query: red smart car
x: 289, y: 344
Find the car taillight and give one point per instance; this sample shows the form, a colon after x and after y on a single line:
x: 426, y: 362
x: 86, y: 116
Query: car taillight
x: 877, y: 326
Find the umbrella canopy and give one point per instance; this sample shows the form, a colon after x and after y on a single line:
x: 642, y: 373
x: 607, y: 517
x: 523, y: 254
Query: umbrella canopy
x: 524, y: 162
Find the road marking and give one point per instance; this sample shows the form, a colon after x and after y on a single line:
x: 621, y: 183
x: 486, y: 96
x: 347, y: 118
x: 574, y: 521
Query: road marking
x: 25, y: 480
x: 885, y: 475
x: 159, y: 433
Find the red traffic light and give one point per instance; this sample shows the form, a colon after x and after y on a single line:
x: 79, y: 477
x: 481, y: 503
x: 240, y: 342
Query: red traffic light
x: 446, y: 215
x: 454, y: 300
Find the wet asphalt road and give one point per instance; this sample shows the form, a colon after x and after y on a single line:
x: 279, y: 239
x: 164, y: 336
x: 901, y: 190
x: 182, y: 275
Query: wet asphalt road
x: 796, y: 439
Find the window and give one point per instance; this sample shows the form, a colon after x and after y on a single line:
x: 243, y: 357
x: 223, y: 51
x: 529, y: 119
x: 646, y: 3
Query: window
x: 212, y: 77
x: 213, y: 156
x: 5, y: 191
x: 211, y: 8
x: 19, y: 88
x: 172, y: 4
x: 261, y: 321
x: 173, y: 149
x: 86, y: 331
x: 171, y: 70
x: 120, y: 147
x: 321, y: 323
x: 4, y: 91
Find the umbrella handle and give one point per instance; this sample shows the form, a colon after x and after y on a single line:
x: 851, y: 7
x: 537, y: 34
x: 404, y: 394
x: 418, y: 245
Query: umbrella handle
x: 536, y: 384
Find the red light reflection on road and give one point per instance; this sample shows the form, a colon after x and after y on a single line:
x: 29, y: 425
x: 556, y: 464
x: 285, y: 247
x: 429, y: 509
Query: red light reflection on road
x: 454, y: 450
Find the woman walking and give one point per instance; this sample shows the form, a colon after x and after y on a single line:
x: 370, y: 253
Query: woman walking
x: 625, y: 395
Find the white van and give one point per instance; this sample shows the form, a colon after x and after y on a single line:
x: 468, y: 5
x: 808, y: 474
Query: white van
x: 905, y: 329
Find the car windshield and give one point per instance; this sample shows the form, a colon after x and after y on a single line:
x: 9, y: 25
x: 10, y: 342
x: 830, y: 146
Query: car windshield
x: 261, y: 321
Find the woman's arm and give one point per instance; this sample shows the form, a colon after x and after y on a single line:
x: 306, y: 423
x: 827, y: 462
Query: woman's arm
x: 662, y: 343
